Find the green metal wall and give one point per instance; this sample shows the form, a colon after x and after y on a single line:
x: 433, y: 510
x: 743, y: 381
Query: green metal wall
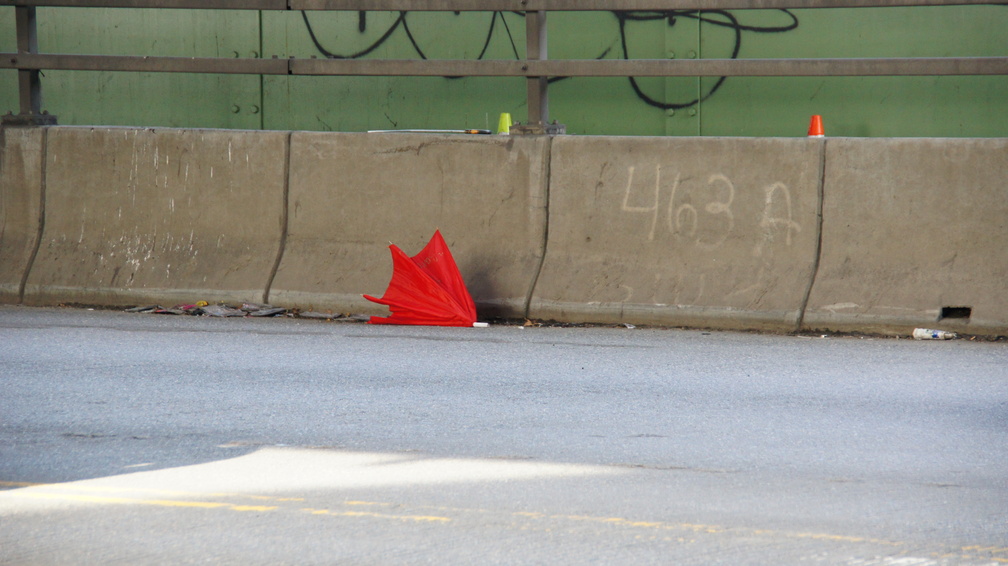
x: 851, y: 106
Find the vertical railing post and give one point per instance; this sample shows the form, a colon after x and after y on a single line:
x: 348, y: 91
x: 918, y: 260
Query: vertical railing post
x: 536, y: 50
x: 29, y: 86
x: 537, y: 87
x: 29, y: 83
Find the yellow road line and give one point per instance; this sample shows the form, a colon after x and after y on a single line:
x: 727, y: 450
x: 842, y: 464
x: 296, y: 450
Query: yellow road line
x: 413, y: 518
x: 620, y: 521
x: 18, y: 484
x: 74, y: 486
x: 63, y: 492
x: 702, y: 528
x: 133, y: 501
x: 994, y: 549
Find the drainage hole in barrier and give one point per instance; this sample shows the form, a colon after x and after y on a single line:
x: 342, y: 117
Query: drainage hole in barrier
x: 956, y: 312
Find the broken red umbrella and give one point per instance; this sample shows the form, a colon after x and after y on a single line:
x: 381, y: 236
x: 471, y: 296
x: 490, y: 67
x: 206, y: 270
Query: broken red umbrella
x: 426, y: 289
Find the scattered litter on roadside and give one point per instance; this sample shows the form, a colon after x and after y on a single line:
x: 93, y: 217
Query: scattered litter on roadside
x: 933, y: 334
x: 274, y: 311
x: 333, y: 317
x: 222, y: 310
x: 319, y: 315
x: 160, y: 310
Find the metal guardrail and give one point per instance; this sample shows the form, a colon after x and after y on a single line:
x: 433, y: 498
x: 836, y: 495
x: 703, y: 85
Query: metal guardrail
x: 491, y: 5
x: 536, y: 68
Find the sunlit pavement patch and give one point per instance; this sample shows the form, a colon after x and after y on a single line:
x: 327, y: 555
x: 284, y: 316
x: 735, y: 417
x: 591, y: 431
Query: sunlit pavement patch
x: 280, y: 480
x: 272, y: 471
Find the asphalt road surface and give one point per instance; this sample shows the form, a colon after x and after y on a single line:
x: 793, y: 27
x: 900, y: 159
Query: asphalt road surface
x: 150, y: 439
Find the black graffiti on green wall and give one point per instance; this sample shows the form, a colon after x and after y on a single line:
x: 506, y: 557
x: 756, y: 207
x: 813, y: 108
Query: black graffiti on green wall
x: 720, y: 18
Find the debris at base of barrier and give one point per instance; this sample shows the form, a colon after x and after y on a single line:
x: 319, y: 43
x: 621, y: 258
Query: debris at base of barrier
x: 260, y: 310
x: 160, y: 310
x: 337, y: 317
x: 269, y: 311
x: 933, y: 334
x: 221, y: 311
x: 317, y: 315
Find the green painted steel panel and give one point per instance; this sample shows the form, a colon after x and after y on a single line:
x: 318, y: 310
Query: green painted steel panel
x: 370, y: 103
x: 868, y: 106
x: 151, y: 99
x: 682, y: 95
x: 8, y: 78
x: 604, y: 105
x: 875, y: 106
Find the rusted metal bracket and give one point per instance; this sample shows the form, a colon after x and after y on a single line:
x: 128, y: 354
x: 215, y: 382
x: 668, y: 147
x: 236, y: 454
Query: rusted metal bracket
x: 538, y: 129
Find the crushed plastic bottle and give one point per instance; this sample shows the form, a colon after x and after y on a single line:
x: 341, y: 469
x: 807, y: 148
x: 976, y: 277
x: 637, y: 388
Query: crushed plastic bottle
x: 932, y: 334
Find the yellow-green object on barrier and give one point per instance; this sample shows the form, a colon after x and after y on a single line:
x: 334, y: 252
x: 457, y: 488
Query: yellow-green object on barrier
x: 504, y: 124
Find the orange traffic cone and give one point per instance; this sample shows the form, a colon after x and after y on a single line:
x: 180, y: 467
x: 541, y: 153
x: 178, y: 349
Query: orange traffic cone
x: 815, y: 129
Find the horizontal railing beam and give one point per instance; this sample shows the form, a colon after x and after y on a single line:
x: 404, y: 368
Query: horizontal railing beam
x: 178, y: 4
x: 605, y: 5
x: 926, y: 66
x: 490, y: 5
x: 658, y: 67
x: 771, y: 67
x: 143, y: 64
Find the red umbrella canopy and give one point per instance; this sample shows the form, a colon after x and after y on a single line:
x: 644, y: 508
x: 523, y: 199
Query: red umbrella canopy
x: 426, y: 289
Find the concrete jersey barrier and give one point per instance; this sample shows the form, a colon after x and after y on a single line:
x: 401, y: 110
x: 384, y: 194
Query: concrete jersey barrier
x: 711, y: 232
x: 840, y: 234
x: 353, y: 194
x: 137, y: 216
x: 21, y: 155
x: 914, y: 235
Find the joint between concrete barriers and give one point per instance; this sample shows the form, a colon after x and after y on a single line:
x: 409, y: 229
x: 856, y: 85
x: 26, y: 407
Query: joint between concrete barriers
x: 285, y: 213
x: 821, y: 193
x: 547, y: 179
x: 42, y: 215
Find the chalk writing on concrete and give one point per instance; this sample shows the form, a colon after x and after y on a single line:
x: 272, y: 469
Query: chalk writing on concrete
x: 773, y: 220
x: 702, y: 211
